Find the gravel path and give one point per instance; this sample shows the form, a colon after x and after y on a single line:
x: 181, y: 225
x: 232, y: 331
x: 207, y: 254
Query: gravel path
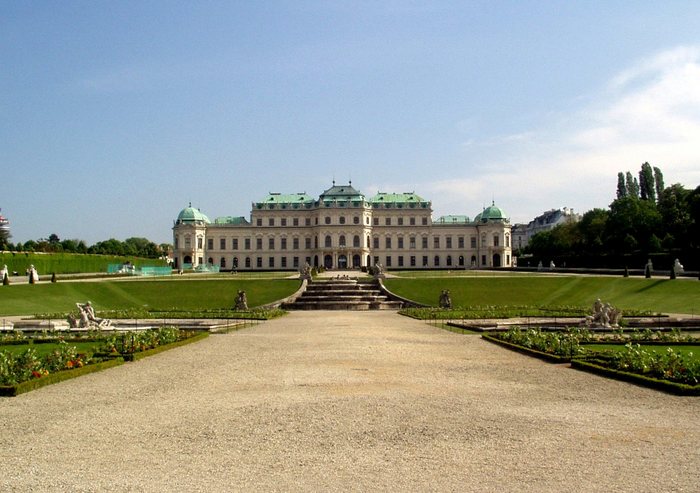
x: 347, y: 401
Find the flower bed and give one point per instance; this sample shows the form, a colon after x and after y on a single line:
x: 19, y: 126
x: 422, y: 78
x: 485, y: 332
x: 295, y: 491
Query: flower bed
x: 28, y: 370
x: 671, y: 370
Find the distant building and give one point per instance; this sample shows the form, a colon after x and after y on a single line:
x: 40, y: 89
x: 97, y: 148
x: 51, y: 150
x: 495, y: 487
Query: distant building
x: 4, y: 227
x: 342, y: 229
x: 548, y: 220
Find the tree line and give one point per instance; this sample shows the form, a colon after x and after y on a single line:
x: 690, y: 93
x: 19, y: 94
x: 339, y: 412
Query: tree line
x: 137, y: 247
x: 645, y: 218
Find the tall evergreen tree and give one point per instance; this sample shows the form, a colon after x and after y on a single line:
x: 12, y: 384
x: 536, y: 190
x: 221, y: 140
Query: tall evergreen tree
x: 621, y: 189
x: 630, y: 185
x: 647, y: 190
x: 659, y: 181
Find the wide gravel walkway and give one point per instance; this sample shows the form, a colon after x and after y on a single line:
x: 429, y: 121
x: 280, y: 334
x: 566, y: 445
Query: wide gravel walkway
x: 328, y: 401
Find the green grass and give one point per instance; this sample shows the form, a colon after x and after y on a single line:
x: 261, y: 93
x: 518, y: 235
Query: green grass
x: 182, y: 293
x: 68, y: 263
x: 658, y: 295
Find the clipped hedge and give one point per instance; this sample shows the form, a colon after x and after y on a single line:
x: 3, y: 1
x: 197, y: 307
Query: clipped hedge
x: 29, y: 385
x: 150, y: 352
x: 635, y: 378
x: 551, y: 358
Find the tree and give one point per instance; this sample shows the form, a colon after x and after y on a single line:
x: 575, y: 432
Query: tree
x: 621, y: 188
x: 659, y: 181
x: 592, y: 230
x: 631, y: 223
x: 674, y: 209
x: 647, y: 190
x: 631, y: 185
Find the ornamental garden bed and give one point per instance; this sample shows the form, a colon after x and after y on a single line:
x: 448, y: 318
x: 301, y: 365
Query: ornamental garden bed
x: 35, y: 363
x: 663, y: 365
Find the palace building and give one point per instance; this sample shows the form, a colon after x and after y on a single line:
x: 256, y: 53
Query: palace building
x: 342, y: 229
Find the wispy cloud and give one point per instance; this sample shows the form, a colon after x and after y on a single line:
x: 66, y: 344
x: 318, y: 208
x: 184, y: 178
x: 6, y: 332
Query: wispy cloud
x: 649, y: 111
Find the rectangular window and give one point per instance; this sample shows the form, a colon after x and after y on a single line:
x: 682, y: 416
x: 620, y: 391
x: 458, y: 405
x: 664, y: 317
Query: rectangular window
x: 400, y: 242
x: 483, y: 260
x: 271, y: 261
x: 295, y: 221
x: 436, y: 242
x: 283, y: 243
x: 271, y: 243
x: 388, y: 261
x: 284, y: 221
x: 259, y: 262
x: 412, y: 243
x: 387, y: 221
x: 283, y: 260
x: 424, y: 221
x: 400, y: 220
x: 388, y: 242
x: 425, y: 261
x: 295, y: 243
x: 234, y: 244
x: 460, y: 242
x: 307, y: 222
x: 375, y: 242
x: 222, y: 244
x: 400, y: 260
x: 258, y: 221
x: 210, y: 244
x: 472, y: 241
x: 495, y: 240
x: 307, y: 243
x: 199, y: 243
x: 413, y: 260
x: 424, y: 242
x: 295, y: 262
x: 271, y: 221
x: 247, y: 243
x: 375, y: 221
x: 412, y: 221
x: 258, y: 243
x: 448, y: 242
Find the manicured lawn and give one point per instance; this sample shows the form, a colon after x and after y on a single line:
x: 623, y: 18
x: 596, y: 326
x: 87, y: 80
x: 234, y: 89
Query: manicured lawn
x: 659, y: 295
x: 183, y: 293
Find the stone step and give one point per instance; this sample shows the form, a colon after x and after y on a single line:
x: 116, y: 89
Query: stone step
x: 342, y: 294
x: 340, y: 305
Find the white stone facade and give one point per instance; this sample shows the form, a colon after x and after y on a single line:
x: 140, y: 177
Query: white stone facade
x: 342, y: 230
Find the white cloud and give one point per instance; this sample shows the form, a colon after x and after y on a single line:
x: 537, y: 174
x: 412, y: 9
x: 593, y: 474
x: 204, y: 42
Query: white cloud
x: 648, y: 112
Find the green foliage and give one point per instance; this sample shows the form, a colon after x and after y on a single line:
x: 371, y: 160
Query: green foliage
x: 19, y: 367
x: 670, y: 365
x: 566, y: 343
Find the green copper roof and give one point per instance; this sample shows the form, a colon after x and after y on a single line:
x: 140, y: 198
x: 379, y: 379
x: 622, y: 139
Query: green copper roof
x: 452, y: 220
x: 400, y: 200
x: 190, y: 215
x: 288, y: 198
x: 491, y: 213
x: 234, y: 220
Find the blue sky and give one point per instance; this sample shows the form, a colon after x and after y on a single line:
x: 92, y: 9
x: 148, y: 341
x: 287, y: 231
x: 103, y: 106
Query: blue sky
x: 116, y: 115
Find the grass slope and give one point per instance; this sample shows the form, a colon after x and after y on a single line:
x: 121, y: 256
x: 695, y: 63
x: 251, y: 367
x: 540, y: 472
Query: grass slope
x: 68, y: 263
x: 663, y: 295
x: 185, y: 294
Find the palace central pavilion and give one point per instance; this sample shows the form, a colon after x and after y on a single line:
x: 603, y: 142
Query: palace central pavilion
x: 342, y: 229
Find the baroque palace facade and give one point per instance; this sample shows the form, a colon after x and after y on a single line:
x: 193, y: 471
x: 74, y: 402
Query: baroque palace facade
x: 342, y: 230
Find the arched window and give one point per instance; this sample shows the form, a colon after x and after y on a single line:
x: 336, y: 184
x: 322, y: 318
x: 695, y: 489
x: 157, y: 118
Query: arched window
x: 368, y: 241
x: 329, y: 241
x: 449, y: 260
x: 437, y: 260
x: 341, y: 241
x: 507, y: 241
x: 247, y: 262
x: 222, y: 264
x: 356, y: 241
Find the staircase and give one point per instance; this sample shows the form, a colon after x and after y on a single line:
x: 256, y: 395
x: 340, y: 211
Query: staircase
x: 342, y: 294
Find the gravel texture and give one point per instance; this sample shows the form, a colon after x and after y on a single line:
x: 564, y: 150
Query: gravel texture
x: 348, y: 401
